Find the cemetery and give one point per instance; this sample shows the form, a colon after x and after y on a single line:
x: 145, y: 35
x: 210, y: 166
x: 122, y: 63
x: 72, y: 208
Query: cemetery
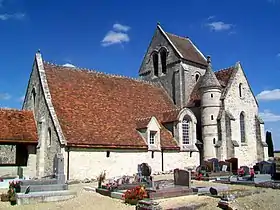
x: 143, y: 191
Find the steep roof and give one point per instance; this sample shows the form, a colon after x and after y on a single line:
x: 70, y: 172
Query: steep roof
x: 17, y: 126
x: 222, y: 76
x: 187, y: 49
x: 209, y: 79
x: 99, y: 110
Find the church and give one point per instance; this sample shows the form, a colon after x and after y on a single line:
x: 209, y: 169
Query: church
x: 178, y: 113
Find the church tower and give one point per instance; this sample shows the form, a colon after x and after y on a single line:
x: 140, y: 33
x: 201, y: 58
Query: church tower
x: 210, y: 90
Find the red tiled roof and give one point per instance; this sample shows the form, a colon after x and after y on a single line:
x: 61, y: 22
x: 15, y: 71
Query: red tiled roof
x: 166, y: 139
x: 223, y: 77
x: 17, y: 126
x: 186, y: 48
x: 99, y: 110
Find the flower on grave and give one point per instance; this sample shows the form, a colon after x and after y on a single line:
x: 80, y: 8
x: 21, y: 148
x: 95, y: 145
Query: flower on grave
x: 135, y: 194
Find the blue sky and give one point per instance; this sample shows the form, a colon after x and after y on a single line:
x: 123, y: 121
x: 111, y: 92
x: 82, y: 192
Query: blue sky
x: 112, y: 36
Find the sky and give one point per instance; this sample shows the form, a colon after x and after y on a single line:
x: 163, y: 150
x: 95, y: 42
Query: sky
x: 113, y: 36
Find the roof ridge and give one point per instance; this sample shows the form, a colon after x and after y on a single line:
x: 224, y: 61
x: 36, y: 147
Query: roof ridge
x: 227, y: 68
x: 10, y: 109
x: 76, y: 68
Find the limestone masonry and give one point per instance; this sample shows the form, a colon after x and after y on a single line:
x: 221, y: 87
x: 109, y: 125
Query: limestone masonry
x: 177, y: 114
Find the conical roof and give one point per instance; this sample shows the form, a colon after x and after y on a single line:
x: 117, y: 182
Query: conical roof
x: 209, y: 79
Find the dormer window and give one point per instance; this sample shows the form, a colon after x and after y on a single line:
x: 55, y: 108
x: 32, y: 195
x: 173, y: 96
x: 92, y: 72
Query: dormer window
x: 186, y: 131
x: 163, y: 57
x: 152, y: 138
x: 155, y: 63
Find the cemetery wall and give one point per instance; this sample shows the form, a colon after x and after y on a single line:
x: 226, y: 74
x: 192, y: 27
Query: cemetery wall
x: 89, y: 163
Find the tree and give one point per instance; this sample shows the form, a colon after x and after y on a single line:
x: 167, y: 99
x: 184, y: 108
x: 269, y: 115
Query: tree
x: 269, y: 144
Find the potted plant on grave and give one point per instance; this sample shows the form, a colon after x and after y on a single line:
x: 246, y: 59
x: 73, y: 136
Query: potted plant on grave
x: 134, y: 195
x: 16, y: 185
x: 101, y: 178
x: 12, y: 195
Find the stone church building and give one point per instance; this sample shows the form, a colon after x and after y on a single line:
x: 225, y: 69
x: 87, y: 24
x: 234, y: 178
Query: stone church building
x: 178, y: 113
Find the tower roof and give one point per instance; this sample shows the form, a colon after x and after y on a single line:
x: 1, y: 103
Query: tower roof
x: 209, y: 79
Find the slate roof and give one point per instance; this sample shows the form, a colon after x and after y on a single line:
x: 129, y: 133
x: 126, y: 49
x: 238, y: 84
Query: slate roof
x: 99, y: 110
x: 17, y: 126
x: 209, y: 79
x: 187, y: 49
x: 222, y: 76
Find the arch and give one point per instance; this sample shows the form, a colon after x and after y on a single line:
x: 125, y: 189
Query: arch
x: 163, y: 58
x: 240, y: 87
x: 187, y: 112
x: 242, y: 127
x: 155, y: 63
x: 197, y: 76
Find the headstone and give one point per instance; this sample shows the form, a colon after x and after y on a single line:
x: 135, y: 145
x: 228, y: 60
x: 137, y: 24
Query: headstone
x: 182, y: 177
x: 145, y: 169
x: 213, y: 191
x: 215, y: 163
x: 224, y: 168
x: 59, y: 168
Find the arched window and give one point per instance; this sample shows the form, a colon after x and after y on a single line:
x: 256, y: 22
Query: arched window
x: 186, y: 131
x: 240, y: 90
x: 155, y: 63
x: 242, y: 127
x: 214, y: 141
x: 49, y: 137
x: 163, y: 57
x: 33, y: 93
x: 196, y: 77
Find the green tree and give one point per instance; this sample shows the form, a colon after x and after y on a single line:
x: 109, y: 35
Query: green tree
x: 269, y: 144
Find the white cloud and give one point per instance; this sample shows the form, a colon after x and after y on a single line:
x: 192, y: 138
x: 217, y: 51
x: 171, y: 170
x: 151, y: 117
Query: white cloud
x: 117, y: 35
x: 219, y: 26
x: 268, y: 116
x: 69, y: 65
x: 5, y: 96
x: 120, y: 27
x: 16, y: 16
x: 113, y: 37
x: 211, y: 17
x: 269, y: 95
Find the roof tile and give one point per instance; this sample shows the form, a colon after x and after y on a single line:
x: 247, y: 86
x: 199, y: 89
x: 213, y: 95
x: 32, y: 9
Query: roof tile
x: 187, y: 49
x: 17, y: 126
x: 99, y: 110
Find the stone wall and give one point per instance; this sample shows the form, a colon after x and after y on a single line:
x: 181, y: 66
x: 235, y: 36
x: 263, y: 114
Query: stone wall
x: 89, y: 163
x: 7, y: 154
x: 48, y: 146
x: 246, y: 152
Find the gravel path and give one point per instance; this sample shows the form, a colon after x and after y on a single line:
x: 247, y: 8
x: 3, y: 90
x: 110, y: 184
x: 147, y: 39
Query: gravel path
x: 91, y: 200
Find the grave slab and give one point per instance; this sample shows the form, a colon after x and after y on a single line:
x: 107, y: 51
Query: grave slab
x: 41, y: 188
x: 40, y: 197
x: 117, y: 195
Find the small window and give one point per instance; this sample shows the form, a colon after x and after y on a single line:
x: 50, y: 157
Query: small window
x: 196, y: 77
x: 163, y: 57
x: 190, y: 154
x: 155, y: 63
x: 49, y: 137
x: 152, y: 137
x: 212, y: 117
x: 153, y: 154
x: 214, y: 141
x: 240, y: 90
x: 108, y: 154
x: 211, y: 95
x: 33, y: 93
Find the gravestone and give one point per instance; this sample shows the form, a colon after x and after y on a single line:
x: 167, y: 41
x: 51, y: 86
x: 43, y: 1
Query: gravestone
x: 58, y: 168
x: 224, y: 168
x: 144, y: 173
x: 182, y: 177
x: 215, y: 163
